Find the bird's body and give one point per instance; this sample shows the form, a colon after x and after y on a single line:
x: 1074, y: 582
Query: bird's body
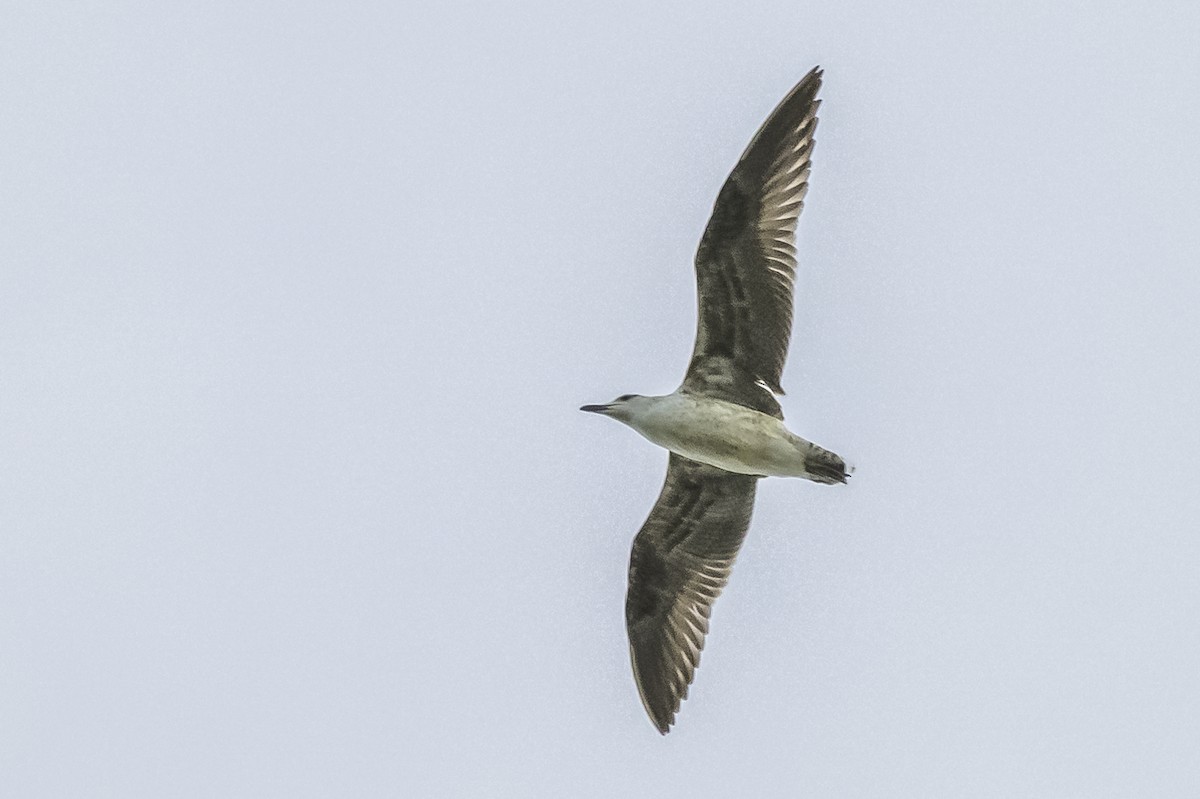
x: 723, y: 426
x: 727, y: 435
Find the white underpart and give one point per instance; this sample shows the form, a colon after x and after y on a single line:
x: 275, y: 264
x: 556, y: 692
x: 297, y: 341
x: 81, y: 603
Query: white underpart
x: 722, y: 434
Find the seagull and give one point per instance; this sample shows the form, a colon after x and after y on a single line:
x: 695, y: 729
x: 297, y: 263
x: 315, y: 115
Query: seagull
x: 723, y: 426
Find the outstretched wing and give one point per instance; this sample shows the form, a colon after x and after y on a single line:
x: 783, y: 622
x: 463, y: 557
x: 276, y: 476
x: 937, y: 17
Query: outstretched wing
x: 681, y: 560
x: 746, y: 263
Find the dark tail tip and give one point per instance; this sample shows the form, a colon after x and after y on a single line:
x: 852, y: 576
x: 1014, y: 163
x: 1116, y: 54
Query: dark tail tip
x: 825, y: 467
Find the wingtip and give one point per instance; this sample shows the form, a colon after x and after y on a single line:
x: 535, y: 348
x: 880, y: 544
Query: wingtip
x: 661, y: 721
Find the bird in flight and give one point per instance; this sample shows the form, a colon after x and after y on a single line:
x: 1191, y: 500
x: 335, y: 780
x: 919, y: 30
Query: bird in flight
x: 723, y: 426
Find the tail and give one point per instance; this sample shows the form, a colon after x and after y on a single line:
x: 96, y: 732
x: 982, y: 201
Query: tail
x: 823, y: 466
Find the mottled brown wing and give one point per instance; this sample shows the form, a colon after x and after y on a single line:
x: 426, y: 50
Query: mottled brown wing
x: 681, y: 560
x: 746, y: 263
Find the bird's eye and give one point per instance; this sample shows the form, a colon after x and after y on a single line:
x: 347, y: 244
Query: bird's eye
x: 625, y: 397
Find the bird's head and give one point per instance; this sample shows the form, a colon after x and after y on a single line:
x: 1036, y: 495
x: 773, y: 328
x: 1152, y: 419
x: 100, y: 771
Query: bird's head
x: 623, y: 408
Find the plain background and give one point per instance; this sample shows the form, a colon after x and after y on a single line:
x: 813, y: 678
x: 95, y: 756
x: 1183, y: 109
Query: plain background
x: 298, y: 303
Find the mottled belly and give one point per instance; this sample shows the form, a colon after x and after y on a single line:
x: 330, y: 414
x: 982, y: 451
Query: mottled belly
x: 736, y: 442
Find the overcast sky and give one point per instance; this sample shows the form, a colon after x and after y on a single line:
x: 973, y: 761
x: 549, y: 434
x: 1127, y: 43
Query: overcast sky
x: 298, y: 303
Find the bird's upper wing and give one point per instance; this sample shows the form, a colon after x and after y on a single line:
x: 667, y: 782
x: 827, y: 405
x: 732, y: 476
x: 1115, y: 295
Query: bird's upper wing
x: 680, y: 562
x: 746, y: 263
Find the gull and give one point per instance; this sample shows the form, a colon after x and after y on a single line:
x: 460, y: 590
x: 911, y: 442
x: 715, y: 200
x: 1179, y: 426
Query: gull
x: 723, y: 426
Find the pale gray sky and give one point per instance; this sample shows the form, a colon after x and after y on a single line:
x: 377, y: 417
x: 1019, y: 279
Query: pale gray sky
x: 298, y: 303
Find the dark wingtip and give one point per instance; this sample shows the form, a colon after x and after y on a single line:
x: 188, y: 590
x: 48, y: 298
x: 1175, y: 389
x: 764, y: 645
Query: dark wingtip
x: 662, y: 717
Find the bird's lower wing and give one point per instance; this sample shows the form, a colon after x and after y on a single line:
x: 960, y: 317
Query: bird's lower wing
x: 681, y: 560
